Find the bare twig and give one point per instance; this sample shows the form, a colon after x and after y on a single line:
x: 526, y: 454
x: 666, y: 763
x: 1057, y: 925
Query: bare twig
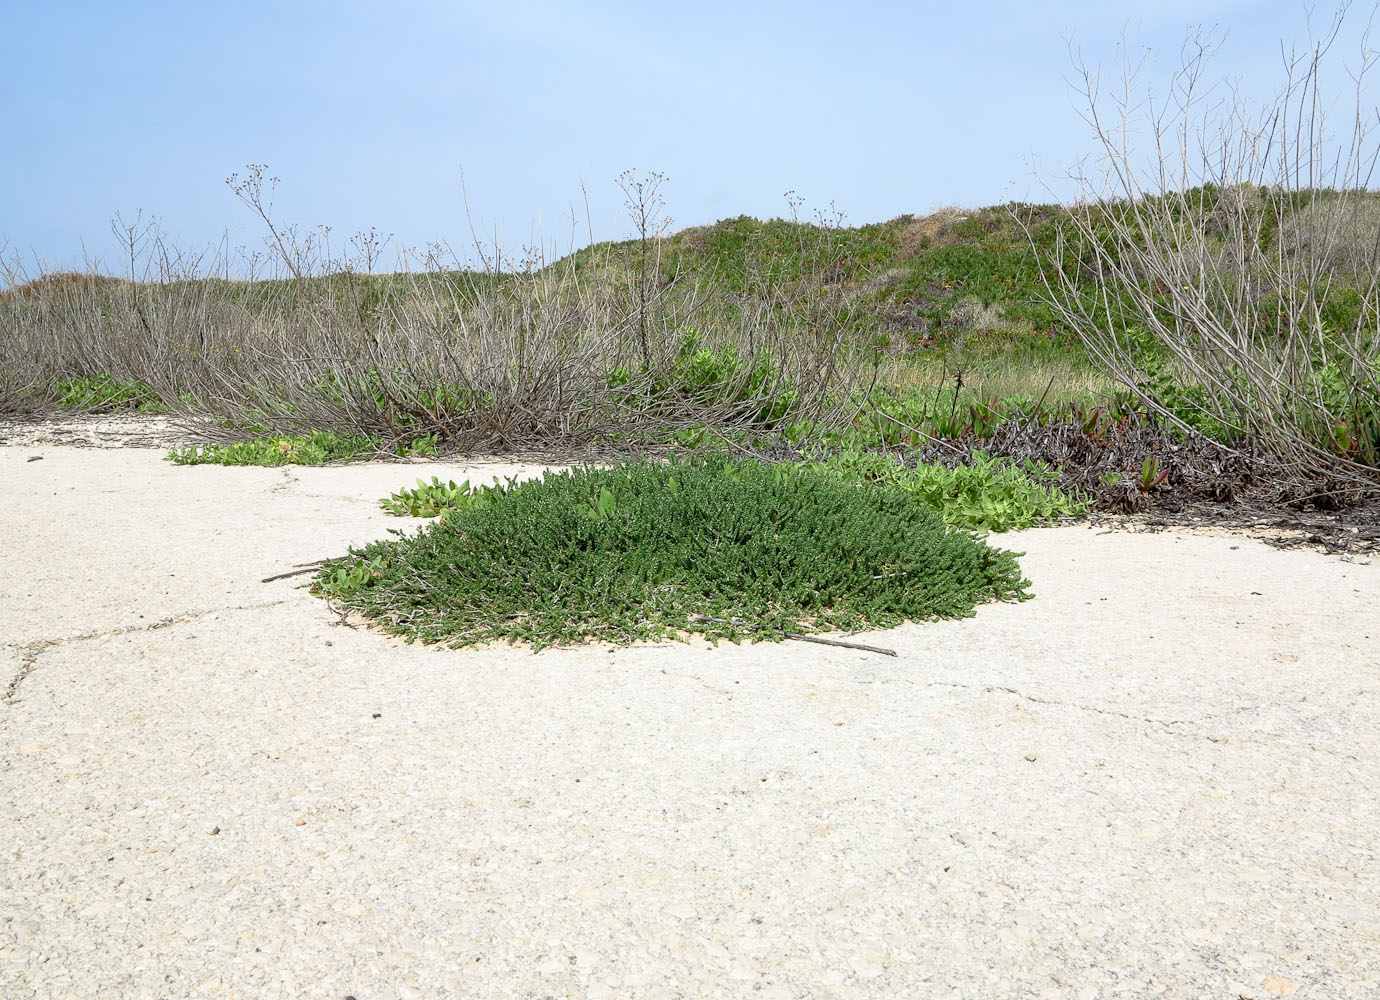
x: 593, y: 347
x: 796, y: 635
x: 309, y: 568
x: 1218, y: 256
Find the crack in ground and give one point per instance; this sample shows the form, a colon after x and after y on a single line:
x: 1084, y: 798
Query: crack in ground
x: 31, y: 651
x: 989, y: 688
x: 1168, y: 725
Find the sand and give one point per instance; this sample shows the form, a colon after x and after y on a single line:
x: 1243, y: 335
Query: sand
x: 1157, y: 778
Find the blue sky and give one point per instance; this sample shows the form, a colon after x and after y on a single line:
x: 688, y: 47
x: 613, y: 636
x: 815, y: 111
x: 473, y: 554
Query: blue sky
x: 369, y: 112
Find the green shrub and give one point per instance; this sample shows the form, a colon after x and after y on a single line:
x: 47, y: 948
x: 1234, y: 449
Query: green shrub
x: 1188, y: 402
x: 711, y: 377
x: 421, y: 447
x: 989, y: 494
x: 1353, y: 398
x: 643, y: 550
x: 99, y: 393
x: 434, y: 498
x: 315, y: 448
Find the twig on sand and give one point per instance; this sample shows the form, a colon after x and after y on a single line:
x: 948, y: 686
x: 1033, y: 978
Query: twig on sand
x: 309, y: 568
x: 797, y: 635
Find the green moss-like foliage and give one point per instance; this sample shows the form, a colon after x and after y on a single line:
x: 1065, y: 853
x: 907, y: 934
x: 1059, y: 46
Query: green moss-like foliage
x: 643, y: 550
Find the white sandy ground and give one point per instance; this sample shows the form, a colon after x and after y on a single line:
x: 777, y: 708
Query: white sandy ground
x: 1157, y: 779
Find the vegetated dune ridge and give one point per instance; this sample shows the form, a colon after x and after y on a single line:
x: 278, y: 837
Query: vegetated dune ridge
x: 1149, y: 780
x: 948, y: 323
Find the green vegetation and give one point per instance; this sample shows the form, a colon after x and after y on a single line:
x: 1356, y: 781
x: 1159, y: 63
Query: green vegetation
x: 957, y: 327
x: 927, y: 280
x: 953, y: 291
x: 912, y: 381
x: 1244, y: 312
x: 101, y: 393
x: 316, y: 448
x: 985, y: 494
x: 435, y: 498
x: 741, y: 324
x: 650, y: 550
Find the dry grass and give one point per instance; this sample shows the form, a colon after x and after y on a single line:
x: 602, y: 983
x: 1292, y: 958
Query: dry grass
x: 57, y: 283
x: 1058, y: 382
x: 1237, y: 286
x: 480, y: 360
x: 920, y: 233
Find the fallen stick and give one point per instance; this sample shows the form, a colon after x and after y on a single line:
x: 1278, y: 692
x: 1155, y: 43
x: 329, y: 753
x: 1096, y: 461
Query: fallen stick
x: 797, y: 635
x: 310, y: 568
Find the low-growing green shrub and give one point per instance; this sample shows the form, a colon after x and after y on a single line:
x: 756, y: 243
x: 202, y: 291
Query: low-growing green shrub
x: 421, y: 447
x: 1352, y: 398
x: 710, y: 377
x: 99, y: 393
x: 316, y: 448
x: 648, y: 550
x: 984, y: 494
x: 988, y: 494
x: 434, y: 498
